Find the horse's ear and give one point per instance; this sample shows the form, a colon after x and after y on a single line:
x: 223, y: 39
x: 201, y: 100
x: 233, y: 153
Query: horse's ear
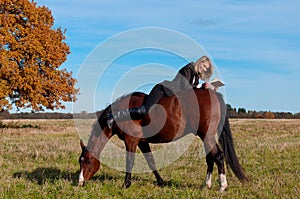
x: 81, y: 144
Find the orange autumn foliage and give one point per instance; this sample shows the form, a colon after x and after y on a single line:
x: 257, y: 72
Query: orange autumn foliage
x: 31, y: 53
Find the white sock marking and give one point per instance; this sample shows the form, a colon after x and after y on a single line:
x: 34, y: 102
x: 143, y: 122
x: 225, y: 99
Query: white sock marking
x: 208, y: 180
x: 223, y: 182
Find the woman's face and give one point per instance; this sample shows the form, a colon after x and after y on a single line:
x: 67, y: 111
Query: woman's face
x: 203, y: 66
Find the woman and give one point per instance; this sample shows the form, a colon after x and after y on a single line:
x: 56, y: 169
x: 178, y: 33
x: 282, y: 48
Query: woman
x: 187, y: 78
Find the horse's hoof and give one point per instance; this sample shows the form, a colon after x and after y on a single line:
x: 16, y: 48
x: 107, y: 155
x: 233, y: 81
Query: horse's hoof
x: 222, y: 189
x: 161, y: 183
x: 208, y: 186
x: 126, y: 184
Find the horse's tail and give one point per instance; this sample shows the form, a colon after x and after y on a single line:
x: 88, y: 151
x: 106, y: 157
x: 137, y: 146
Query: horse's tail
x: 227, y: 144
x: 226, y: 141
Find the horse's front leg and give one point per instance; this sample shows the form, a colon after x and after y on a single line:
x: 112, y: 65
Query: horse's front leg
x: 145, y: 148
x: 129, y: 165
x: 131, y: 145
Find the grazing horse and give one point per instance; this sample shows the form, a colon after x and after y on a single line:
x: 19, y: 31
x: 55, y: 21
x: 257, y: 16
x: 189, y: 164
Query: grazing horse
x: 202, y: 112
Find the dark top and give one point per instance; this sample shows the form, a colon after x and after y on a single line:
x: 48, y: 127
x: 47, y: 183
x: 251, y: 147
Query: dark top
x: 186, y: 78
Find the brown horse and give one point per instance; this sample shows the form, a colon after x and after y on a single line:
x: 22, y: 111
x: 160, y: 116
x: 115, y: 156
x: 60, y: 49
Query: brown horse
x: 202, y: 112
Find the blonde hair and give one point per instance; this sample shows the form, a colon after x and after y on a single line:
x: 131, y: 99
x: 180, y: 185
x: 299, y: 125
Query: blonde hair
x: 206, y: 74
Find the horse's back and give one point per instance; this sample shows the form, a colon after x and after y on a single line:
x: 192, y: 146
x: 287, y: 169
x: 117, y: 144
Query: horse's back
x: 134, y: 99
x: 190, y: 111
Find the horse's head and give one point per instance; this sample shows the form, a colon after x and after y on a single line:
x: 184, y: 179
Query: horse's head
x: 89, y: 165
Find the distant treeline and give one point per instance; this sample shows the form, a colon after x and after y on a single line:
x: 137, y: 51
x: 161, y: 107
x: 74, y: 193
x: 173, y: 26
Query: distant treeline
x: 45, y: 115
x: 242, y: 113
x: 232, y: 112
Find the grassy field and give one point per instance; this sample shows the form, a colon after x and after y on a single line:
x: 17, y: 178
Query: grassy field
x: 42, y: 162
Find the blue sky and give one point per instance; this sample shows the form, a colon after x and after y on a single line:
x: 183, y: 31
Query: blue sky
x: 255, y: 45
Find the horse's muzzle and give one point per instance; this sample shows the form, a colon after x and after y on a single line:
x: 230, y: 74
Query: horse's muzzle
x: 81, y: 183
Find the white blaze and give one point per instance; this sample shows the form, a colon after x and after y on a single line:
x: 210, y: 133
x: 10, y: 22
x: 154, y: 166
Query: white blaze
x: 81, y: 178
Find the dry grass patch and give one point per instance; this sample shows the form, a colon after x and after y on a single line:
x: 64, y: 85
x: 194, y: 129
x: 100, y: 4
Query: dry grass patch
x: 42, y: 163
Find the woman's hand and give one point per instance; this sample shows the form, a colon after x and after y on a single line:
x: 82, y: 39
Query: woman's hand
x: 207, y: 85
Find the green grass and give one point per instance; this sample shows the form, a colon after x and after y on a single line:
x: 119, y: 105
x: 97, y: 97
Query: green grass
x: 43, y: 163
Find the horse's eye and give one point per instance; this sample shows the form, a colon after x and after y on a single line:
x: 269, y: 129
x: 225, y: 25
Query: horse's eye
x: 88, y: 162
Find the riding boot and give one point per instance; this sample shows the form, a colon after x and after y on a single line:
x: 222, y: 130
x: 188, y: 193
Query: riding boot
x: 126, y: 114
x: 137, y: 112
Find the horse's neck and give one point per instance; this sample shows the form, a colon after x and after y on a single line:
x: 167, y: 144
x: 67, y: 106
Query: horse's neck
x: 97, y: 141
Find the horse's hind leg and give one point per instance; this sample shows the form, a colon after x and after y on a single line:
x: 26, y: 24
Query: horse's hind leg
x: 145, y: 148
x: 219, y: 160
x: 210, y: 149
x: 210, y: 166
x: 215, y: 155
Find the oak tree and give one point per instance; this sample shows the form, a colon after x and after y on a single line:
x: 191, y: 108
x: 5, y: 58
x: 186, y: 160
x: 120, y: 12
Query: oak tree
x: 31, y: 55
